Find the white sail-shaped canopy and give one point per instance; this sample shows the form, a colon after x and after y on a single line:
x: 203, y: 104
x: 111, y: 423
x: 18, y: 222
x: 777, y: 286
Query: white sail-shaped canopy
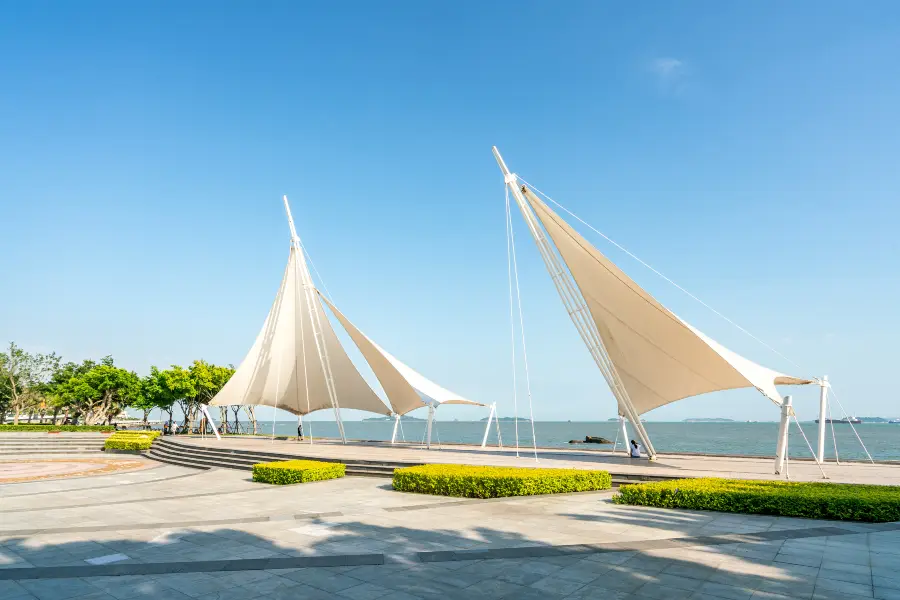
x: 659, y: 357
x: 283, y: 368
x: 406, y: 389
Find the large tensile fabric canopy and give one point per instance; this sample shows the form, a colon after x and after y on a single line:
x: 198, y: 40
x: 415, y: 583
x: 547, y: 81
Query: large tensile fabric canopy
x: 659, y: 357
x: 405, y: 388
x: 283, y: 368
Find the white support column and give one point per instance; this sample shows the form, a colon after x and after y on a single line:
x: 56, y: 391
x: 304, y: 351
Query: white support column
x: 500, y: 437
x: 210, y: 420
x: 396, y: 424
x: 577, y: 308
x: 783, y: 430
x: 625, y: 441
x: 428, y: 426
x: 487, y: 428
x: 823, y: 417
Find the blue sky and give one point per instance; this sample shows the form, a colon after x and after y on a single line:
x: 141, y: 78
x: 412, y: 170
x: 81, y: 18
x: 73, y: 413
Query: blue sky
x: 747, y: 151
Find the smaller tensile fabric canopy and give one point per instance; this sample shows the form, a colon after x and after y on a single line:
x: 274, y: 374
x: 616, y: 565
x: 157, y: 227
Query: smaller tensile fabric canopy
x: 283, y: 368
x: 659, y: 357
x: 405, y: 388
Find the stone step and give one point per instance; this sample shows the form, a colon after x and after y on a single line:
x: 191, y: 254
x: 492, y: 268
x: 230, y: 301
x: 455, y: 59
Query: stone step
x: 187, y: 455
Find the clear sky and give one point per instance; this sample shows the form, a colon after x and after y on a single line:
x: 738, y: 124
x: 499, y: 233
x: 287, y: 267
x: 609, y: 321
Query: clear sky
x: 749, y: 151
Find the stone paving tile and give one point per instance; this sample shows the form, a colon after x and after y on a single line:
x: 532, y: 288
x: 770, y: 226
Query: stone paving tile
x: 364, y: 591
x: 843, y: 587
x: 590, y: 593
x: 10, y: 590
x: 555, y: 585
x: 661, y: 592
x: 235, y: 593
x: 329, y: 582
x: 723, y: 590
x: 887, y: 581
x: 58, y: 589
x: 848, y: 576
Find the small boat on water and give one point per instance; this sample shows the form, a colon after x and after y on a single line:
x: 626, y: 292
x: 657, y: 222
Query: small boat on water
x: 895, y: 421
x: 852, y: 420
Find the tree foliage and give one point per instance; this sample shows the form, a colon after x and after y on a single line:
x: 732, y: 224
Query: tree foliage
x: 26, y: 380
x: 101, y: 392
x: 96, y: 392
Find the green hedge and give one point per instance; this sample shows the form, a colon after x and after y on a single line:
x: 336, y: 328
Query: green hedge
x: 495, y: 482
x: 297, y: 471
x: 130, y: 440
x: 42, y: 427
x: 836, y: 501
x: 139, y: 433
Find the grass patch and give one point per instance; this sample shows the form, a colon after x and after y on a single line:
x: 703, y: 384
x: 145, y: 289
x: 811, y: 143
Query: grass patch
x: 130, y: 440
x: 495, y: 482
x: 834, y: 501
x: 297, y: 471
x: 47, y: 427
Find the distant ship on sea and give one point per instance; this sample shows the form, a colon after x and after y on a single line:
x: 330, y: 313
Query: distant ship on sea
x: 894, y: 421
x: 852, y: 420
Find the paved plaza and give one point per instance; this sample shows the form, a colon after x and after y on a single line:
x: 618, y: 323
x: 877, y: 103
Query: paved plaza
x: 169, y: 532
x: 666, y: 465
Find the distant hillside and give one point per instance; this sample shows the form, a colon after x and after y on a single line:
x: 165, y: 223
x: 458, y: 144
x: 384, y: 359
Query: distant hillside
x: 392, y: 418
x: 705, y: 420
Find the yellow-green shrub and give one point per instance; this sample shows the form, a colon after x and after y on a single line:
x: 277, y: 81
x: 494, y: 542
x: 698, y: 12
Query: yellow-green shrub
x: 836, y: 501
x: 296, y: 471
x: 494, y: 482
x: 130, y: 440
x: 138, y: 432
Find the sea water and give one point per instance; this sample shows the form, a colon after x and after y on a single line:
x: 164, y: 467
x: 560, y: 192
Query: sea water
x: 755, y: 439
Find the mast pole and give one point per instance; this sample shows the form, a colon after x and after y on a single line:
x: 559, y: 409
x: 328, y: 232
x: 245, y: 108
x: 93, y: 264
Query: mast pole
x: 577, y: 308
x: 429, y: 425
x: 783, y: 433
x: 823, y: 410
x: 309, y: 290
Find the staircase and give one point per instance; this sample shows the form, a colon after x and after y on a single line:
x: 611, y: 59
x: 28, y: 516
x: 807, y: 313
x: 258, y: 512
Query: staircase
x: 40, y: 443
x: 188, y: 455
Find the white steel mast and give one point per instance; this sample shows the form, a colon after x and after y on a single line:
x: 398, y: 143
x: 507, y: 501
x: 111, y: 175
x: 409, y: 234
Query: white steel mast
x: 309, y: 290
x: 577, y: 308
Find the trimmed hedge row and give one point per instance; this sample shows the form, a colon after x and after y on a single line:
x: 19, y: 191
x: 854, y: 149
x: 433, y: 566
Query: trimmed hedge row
x: 43, y: 427
x: 470, y: 481
x: 297, y: 471
x: 834, y: 501
x: 142, y: 433
x: 130, y: 440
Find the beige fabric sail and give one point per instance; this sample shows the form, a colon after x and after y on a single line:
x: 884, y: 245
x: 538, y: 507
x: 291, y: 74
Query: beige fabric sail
x: 659, y: 357
x: 272, y: 373
x: 405, y: 388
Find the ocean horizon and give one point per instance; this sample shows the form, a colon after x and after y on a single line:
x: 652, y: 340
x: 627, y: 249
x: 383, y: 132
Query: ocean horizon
x: 737, y: 437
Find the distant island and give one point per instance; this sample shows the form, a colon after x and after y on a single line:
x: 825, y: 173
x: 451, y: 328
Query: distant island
x: 392, y: 418
x: 506, y: 419
x: 707, y: 420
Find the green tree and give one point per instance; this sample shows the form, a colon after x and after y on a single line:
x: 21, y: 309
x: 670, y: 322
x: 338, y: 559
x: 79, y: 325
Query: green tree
x: 155, y: 394
x: 196, y: 385
x: 27, y: 379
x: 102, y: 392
x: 59, y: 401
